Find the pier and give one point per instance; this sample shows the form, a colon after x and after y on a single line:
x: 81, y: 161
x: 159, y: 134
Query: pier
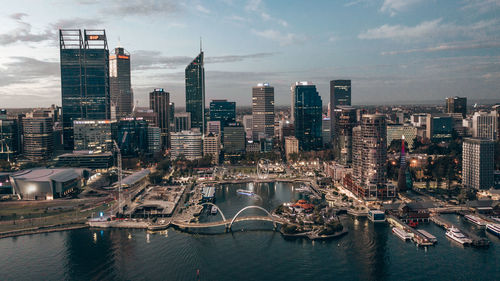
x: 418, y: 237
x: 476, y: 240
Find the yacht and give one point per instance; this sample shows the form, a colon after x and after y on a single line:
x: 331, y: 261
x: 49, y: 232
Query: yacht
x: 401, y: 233
x: 493, y: 228
x: 245, y: 192
x: 475, y: 220
x: 457, y: 236
x: 213, y: 211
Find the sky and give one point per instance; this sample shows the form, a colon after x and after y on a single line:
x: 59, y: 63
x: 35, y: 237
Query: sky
x: 394, y: 51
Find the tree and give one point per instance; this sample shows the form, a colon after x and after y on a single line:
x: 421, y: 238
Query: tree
x: 155, y: 177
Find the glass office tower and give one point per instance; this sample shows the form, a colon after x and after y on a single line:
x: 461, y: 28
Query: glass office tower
x: 195, y: 92
x: 306, y: 114
x: 121, y: 93
x: 84, y: 78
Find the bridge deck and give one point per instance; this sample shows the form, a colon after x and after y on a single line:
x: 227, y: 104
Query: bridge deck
x: 227, y: 222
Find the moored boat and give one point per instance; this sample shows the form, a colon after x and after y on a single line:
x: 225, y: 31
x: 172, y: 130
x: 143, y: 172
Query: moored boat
x: 245, y: 192
x: 454, y: 234
x: 475, y: 220
x: 493, y: 228
x: 401, y: 233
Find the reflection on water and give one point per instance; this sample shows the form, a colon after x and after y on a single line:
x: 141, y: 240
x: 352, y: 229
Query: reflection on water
x: 368, y: 252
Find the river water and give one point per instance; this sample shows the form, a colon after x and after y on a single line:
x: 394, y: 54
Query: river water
x: 251, y: 252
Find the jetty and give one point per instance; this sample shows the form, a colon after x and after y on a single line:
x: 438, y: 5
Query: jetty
x: 476, y: 240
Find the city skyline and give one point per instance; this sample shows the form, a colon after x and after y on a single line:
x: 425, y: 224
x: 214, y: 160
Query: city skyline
x: 397, y: 45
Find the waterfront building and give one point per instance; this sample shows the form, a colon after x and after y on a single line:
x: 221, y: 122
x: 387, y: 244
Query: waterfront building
x: 457, y: 105
x: 484, y: 125
x: 291, y: 146
x: 223, y: 111
x: 188, y: 144
x: 248, y: 124
x: 342, y: 145
x: 211, y: 146
x: 439, y: 127
x: 132, y: 136
x: 478, y: 162
x: 195, y: 92
x: 154, y: 139
x: 370, y: 159
x: 307, y: 115
x: 120, y: 84
x: 38, y: 138
x: 234, y: 140
x: 94, y: 135
x: 45, y: 184
x: 84, y: 78
x: 262, y: 111
x: 402, y: 186
x: 182, y: 121
x: 159, y: 101
x: 396, y: 132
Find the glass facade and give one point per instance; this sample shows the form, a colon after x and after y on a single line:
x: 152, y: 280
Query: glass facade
x: 84, y: 78
x: 132, y: 137
x: 306, y: 112
x: 120, y: 83
x: 223, y: 111
x: 195, y: 92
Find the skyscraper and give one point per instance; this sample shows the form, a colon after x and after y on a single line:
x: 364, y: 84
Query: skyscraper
x: 456, y: 105
x: 262, y: 111
x: 402, y: 167
x: 188, y: 144
x: 223, y: 111
x: 340, y: 95
x: 478, y: 163
x: 195, y: 92
x: 159, y: 101
x: 120, y: 86
x: 342, y: 144
x: 484, y: 125
x: 84, y: 78
x: 306, y: 114
x: 38, y: 136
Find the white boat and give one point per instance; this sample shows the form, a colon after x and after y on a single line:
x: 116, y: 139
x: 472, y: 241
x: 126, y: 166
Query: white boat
x: 496, y: 219
x: 427, y: 235
x: 303, y: 188
x: 401, y: 233
x: 245, y: 192
x: 475, y: 220
x: 454, y: 234
x: 213, y: 211
x: 493, y: 228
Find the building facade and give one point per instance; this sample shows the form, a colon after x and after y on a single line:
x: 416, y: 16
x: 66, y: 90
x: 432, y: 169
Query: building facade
x: 340, y: 95
x: 307, y: 115
x: 223, y: 111
x: 132, y: 136
x: 38, y: 138
x: 345, y: 121
x: 396, y: 132
x: 188, y: 144
x: 94, y: 135
x: 484, y: 125
x: 478, y: 163
x: 195, y: 92
x: 234, y: 140
x: 262, y: 111
x: 291, y: 146
x: 84, y: 78
x: 182, y: 121
x: 159, y: 102
x: 456, y: 105
x: 211, y: 146
x: 120, y: 84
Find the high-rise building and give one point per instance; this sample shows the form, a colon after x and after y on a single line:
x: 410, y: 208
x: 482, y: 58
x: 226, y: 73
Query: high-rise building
x: 223, y: 111
x: 439, y: 127
x: 370, y: 157
x: 484, y: 125
x: 211, y: 146
x: 234, y: 140
x: 147, y: 114
x: 326, y: 134
x: 307, y: 115
x: 84, y: 78
x: 38, y: 139
x: 396, y: 132
x: 10, y: 137
x: 262, y: 111
x: 94, y: 135
x: 342, y: 145
x: 340, y: 95
x: 456, y: 105
x: 132, y: 136
x: 182, y: 121
x: 214, y: 127
x: 154, y: 139
x: 291, y: 146
x: 188, y: 144
x: 120, y: 84
x: 159, y: 101
x: 248, y: 124
x: 478, y: 163
x: 402, y: 167
x: 195, y: 92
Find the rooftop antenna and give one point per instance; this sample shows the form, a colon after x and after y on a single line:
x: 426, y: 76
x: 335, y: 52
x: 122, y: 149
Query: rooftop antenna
x: 119, y: 43
x: 200, y: 45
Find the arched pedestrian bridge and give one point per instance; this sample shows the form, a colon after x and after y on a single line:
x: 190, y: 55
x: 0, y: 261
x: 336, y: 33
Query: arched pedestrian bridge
x: 228, y: 223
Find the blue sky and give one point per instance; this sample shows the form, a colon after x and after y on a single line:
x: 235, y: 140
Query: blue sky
x: 393, y: 50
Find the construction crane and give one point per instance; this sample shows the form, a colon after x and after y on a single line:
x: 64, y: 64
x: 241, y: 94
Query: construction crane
x: 117, y: 149
x: 8, y: 149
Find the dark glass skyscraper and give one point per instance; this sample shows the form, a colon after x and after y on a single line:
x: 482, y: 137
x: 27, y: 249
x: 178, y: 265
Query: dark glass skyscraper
x: 84, y: 78
x: 456, y: 105
x: 120, y: 86
x: 345, y: 121
x: 340, y: 95
x: 223, y: 111
x: 159, y: 102
x: 306, y: 114
x: 195, y: 92
x: 262, y: 111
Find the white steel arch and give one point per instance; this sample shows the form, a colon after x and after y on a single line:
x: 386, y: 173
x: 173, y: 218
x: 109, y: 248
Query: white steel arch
x: 252, y: 207
x: 220, y: 211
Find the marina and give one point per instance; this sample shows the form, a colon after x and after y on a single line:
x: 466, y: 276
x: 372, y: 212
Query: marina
x: 401, y: 234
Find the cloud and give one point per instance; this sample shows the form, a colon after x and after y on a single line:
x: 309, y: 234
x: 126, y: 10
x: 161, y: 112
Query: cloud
x: 394, y: 6
x: 431, y: 30
x: 482, y: 6
x: 202, y: 9
x: 23, y: 32
x: 27, y: 70
x: 144, y: 60
x: 77, y: 23
x: 282, y: 38
x: 142, y: 7
x: 446, y: 47
x: 256, y: 6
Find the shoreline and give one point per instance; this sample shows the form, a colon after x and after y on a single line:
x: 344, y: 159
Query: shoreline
x: 43, y: 229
